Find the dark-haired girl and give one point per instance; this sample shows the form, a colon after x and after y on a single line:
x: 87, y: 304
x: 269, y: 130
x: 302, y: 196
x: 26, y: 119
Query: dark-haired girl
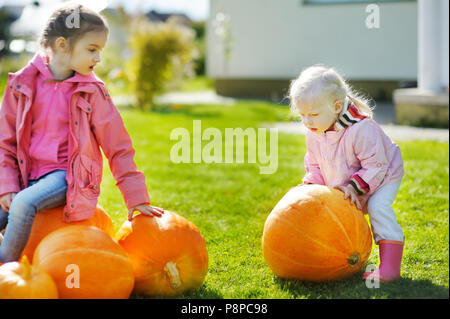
x: 54, y: 117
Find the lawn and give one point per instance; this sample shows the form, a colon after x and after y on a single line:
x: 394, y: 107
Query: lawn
x: 230, y: 202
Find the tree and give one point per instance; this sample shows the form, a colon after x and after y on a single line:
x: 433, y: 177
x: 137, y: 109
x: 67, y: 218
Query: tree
x: 162, y: 52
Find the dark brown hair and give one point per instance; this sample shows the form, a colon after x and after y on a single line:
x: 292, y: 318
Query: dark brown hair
x: 71, y: 22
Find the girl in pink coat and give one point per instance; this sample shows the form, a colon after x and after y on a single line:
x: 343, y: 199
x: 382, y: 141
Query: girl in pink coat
x: 54, y: 117
x: 348, y: 150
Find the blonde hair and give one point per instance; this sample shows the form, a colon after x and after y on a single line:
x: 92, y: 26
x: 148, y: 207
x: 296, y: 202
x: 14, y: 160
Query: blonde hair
x: 318, y: 83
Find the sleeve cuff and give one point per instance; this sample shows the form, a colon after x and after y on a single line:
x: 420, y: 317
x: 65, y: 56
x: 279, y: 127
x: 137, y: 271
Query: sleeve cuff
x: 9, y: 189
x: 313, y: 179
x: 359, y: 185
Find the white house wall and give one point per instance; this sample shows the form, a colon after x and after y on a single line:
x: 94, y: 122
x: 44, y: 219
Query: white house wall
x: 275, y: 39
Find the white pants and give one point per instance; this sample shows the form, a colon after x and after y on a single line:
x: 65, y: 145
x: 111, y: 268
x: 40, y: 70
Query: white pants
x: 381, y: 215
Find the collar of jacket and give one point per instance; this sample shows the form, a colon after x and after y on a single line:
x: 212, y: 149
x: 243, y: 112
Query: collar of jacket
x: 348, y: 116
x: 24, y: 79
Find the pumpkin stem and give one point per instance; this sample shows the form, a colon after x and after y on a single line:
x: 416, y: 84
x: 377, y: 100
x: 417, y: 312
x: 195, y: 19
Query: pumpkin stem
x: 354, y: 259
x: 26, y: 274
x: 172, y: 272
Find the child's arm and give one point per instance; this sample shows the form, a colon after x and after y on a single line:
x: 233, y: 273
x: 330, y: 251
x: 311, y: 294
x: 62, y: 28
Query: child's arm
x: 370, y: 149
x: 9, y: 170
x: 313, y: 174
x: 115, y: 142
x: 147, y: 210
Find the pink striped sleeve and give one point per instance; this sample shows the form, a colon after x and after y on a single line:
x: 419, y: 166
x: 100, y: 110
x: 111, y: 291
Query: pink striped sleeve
x: 359, y: 184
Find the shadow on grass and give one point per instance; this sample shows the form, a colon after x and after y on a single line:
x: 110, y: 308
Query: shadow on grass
x: 203, y: 292
x: 355, y: 287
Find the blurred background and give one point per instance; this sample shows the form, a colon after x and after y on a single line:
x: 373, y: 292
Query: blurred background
x: 394, y: 51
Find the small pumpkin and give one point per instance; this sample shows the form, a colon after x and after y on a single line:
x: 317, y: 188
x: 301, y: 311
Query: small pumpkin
x: 85, y: 263
x: 168, y: 254
x: 49, y: 220
x: 314, y: 234
x: 20, y: 280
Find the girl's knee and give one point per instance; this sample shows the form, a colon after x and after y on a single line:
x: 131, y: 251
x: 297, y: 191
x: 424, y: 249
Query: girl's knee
x: 22, y: 209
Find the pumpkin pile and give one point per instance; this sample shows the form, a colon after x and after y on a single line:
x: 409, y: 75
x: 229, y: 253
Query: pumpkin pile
x: 49, y: 220
x: 314, y: 234
x: 85, y: 263
x: 153, y: 256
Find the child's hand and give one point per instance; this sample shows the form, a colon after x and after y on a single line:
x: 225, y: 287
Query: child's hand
x: 349, y: 191
x: 5, y: 201
x: 146, y: 210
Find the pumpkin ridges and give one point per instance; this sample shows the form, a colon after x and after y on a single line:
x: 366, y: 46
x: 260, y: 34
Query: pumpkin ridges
x: 174, y: 240
x: 104, y: 268
x: 337, y: 221
x: 287, y: 258
x: 285, y: 221
x: 307, y: 273
x: 188, y: 270
x: 348, y: 217
x: 321, y: 272
x: 56, y: 254
x: 49, y: 220
x: 322, y: 237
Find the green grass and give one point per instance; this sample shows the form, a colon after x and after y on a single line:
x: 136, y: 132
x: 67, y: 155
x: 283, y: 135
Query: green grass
x: 230, y: 202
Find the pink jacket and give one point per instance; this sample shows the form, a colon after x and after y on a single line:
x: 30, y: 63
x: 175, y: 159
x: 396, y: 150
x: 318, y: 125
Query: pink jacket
x: 93, y: 122
x: 360, y: 154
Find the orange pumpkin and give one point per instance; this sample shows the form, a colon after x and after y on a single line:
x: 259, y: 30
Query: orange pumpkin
x: 168, y: 254
x: 49, y: 220
x: 85, y: 263
x: 314, y: 234
x: 20, y: 280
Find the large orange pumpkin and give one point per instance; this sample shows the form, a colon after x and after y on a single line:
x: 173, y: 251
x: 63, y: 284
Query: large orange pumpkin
x: 20, y: 280
x: 168, y: 254
x: 49, y: 220
x: 314, y: 234
x: 85, y: 263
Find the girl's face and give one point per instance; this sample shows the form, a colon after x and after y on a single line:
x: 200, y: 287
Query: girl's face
x: 86, y: 52
x: 319, y: 117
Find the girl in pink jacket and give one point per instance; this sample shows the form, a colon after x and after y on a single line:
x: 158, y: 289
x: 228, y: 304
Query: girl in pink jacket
x: 348, y: 150
x: 54, y: 117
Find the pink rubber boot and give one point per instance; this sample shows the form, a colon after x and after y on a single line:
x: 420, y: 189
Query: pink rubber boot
x: 390, y: 261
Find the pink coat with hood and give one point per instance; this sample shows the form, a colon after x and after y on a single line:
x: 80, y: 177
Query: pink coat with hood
x: 94, y: 122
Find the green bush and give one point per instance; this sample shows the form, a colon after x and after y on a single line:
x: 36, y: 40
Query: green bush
x: 200, y: 57
x: 161, y: 53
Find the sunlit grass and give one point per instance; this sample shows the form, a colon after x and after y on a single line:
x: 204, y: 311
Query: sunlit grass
x: 230, y: 202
